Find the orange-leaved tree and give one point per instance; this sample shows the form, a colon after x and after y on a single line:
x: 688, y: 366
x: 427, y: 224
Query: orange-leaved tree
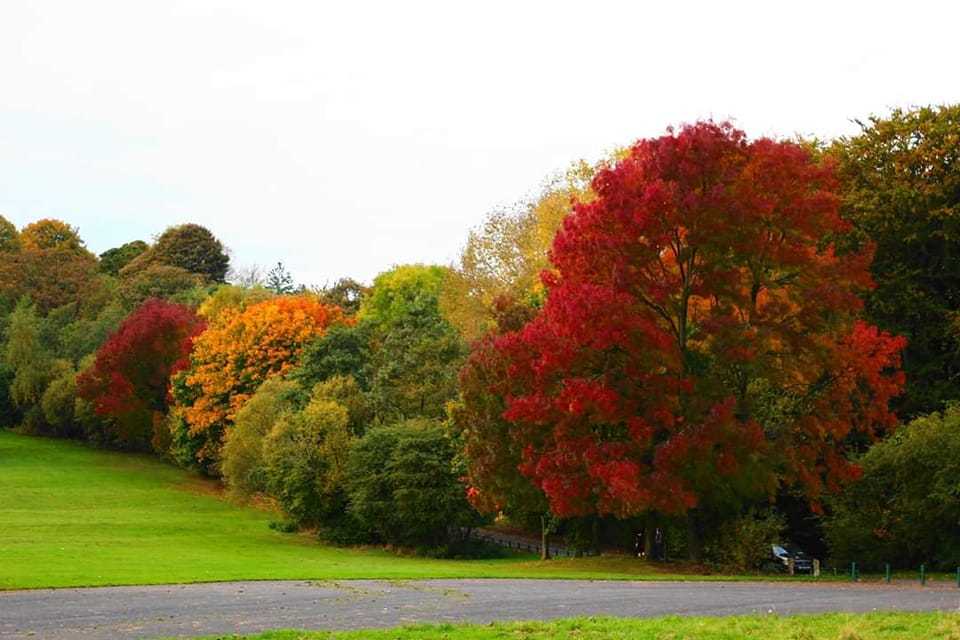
x: 240, y: 350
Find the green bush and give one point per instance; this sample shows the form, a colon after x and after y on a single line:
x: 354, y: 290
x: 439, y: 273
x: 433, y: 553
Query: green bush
x: 346, y: 391
x: 184, y: 446
x: 59, y: 401
x: 9, y: 415
x: 342, y: 350
x: 743, y: 543
x: 304, y: 462
x: 404, y: 485
x: 242, y: 457
x: 905, y: 510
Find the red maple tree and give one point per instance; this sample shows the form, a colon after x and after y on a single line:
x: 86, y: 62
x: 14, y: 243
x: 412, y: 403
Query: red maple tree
x: 700, y: 337
x: 129, y: 382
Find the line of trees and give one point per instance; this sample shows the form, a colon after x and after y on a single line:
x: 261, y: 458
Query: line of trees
x: 704, y: 334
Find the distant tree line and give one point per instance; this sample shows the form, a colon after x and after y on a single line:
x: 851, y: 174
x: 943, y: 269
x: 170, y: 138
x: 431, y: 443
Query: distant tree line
x: 703, y: 334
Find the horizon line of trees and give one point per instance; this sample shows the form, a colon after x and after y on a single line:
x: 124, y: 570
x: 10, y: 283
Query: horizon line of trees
x: 706, y: 334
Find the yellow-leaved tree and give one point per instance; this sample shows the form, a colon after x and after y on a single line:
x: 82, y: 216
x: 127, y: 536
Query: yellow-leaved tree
x: 506, y: 254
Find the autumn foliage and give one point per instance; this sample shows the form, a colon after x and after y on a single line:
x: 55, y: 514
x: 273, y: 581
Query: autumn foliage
x: 700, y: 338
x: 129, y: 381
x: 237, y: 353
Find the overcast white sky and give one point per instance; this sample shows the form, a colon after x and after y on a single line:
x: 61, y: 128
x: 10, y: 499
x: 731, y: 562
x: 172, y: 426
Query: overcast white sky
x: 346, y: 137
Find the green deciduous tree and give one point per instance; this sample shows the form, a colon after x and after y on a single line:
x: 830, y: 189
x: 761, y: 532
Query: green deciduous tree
x: 305, y: 462
x: 905, y: 510
x: 404, y: 485
x: 346, y: 293
x: 194, y: 248
x: 58, y: 401
x: 190, y: 247
x: 901, y: 189
x: 156, y: 281
x: 26, y: 355
x: 113, y: 260
x: 242, y: 461
x: 9, y: 236
x: 230, y: 297
x: 30, y: 364
x: 343, y: 350
x: 345, y: 391
x: 414, y: 352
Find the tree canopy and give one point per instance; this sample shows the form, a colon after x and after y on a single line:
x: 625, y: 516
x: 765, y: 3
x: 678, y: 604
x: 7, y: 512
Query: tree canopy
x: 237, y: 354
x: 901, y: 189
x: 129, y: 380
x: 700, y: 340
x: 113, y: 260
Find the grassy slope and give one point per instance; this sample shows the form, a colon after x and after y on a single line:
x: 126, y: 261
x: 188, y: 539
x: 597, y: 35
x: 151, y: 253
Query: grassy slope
x: 874, y: 626
x: 75, y: 516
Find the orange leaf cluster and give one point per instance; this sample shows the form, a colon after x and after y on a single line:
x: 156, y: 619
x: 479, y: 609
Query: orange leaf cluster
x: 244, y: 348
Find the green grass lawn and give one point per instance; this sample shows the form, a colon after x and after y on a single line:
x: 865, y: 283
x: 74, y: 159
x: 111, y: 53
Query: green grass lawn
x: 71, y: 516
x: 834, y: 626
x: 74, y: 516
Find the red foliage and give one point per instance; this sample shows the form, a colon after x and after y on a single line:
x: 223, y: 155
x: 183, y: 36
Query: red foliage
x: 130, y: 379
x: 700, y: 334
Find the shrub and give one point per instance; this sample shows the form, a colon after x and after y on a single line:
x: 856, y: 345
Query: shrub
x: 9, y: 415
x: 242, y: 460
x: 59, y: 400
x: 305, y: 461
x: 345, y: 391
x: 343, y: 350
x: 743, y: 543
x: 905, y: 509
x: 185, y: 446
x: 404, y: 485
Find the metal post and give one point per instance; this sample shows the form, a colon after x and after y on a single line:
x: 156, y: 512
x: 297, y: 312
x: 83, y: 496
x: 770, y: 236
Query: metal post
x: 816, y: 568
x: 791, y: 566
x: 886, y: 576
x: 923, y: 575
x: 853, y: 571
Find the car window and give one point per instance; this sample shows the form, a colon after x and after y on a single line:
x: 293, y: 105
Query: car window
x: 780, y: 551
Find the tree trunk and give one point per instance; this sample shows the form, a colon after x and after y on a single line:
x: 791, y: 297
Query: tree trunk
x: 649, y: 531
x: 544, y: 539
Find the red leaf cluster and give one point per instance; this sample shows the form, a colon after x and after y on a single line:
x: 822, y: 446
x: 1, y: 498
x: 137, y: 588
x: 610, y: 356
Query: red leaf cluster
x: 130, y: 377
x: 700, y: 332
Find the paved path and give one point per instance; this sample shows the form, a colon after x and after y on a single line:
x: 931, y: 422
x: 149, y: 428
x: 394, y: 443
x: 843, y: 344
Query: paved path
x: 186, y: 610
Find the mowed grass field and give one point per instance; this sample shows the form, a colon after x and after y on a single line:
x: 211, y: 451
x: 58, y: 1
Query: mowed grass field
x: 834, y: 626
x: 75, y: 516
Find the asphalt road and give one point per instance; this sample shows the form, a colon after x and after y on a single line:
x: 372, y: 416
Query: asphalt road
x: 247, y: 607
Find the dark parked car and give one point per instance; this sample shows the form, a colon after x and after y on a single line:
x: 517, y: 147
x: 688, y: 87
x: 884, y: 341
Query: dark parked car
x: 780, y: 556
